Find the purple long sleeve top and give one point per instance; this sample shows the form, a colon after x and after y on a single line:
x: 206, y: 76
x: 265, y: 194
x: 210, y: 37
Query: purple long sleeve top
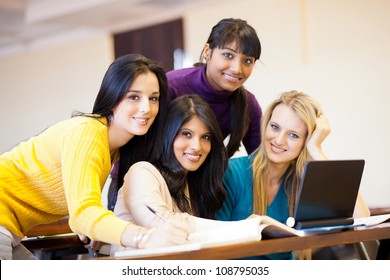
x: 193, y: 80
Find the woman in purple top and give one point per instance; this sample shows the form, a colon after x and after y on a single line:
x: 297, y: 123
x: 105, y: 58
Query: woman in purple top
x: 227, y: 61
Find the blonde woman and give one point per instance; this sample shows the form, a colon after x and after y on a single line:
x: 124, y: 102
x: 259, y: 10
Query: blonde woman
x: 266, y: 182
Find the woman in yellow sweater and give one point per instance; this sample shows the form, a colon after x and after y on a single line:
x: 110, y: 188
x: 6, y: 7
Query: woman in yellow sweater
x: 61, y: 171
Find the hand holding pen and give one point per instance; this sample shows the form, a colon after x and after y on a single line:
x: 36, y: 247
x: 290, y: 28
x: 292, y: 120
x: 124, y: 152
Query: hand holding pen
x: 171, y: 232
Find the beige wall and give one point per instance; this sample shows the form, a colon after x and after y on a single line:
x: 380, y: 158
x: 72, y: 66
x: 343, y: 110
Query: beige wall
x: 43, y: 86
x: 335, y: 50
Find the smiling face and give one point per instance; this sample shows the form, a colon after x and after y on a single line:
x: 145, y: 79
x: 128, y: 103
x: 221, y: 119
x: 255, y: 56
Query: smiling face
x: 285, y: 135
x: 192, y: 144
x: 227, y: 68
x: 136, y: 112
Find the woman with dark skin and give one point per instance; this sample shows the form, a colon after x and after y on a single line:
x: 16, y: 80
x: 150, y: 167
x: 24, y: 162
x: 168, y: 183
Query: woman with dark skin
x: 185, y: 180
x: 226, y: 62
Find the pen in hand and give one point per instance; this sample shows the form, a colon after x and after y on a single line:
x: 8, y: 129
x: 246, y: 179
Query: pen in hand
x: 155, y: 213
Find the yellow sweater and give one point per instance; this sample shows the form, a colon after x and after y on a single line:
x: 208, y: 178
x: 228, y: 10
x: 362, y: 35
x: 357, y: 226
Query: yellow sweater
x: 57, y: 173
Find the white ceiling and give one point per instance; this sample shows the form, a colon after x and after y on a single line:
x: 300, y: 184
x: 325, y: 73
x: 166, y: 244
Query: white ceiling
x: 28, y: 23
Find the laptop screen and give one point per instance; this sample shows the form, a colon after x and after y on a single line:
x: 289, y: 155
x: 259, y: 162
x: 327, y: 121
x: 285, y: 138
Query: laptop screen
x: 328, y: 193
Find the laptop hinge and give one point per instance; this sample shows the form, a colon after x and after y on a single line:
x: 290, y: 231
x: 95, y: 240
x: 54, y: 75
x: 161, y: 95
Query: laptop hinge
x: 324, y: 223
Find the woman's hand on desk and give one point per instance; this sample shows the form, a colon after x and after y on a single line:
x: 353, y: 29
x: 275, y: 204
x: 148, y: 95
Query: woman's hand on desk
x: 173, y: 232
x: 170, y: 232
x: 95, y: 245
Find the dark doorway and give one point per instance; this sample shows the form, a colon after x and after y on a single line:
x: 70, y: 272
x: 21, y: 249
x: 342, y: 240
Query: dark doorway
x: 157, y: 42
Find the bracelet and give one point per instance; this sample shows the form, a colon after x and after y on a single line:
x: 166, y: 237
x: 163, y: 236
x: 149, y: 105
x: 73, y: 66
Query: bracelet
x: 145, y: 238
x: 137, y: 237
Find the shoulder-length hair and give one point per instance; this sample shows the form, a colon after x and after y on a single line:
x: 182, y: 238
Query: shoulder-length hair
x: 308, y: 110
x: 205, y: 184
x: 227, y: 31
x: 114, y: 87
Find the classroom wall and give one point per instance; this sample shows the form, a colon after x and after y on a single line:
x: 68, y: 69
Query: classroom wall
x: 44, y: 85
x: 337, y: 51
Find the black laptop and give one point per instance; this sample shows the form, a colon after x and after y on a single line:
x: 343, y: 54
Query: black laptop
x: 327, y: 194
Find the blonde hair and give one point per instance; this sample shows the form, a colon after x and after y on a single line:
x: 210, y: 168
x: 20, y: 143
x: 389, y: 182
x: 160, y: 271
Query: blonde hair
x: 308, y: 110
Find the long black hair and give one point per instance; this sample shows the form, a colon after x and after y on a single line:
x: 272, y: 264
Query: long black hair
x: 205, y: 184
x: 226, y: 31
x: 116, y: 83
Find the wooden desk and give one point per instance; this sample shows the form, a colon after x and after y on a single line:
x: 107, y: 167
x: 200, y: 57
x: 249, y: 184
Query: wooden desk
x: 59, y: 227
x: 263, y: 247
x: 54, y: 240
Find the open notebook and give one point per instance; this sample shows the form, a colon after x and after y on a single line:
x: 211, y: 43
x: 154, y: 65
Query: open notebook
x: 211, y: 233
